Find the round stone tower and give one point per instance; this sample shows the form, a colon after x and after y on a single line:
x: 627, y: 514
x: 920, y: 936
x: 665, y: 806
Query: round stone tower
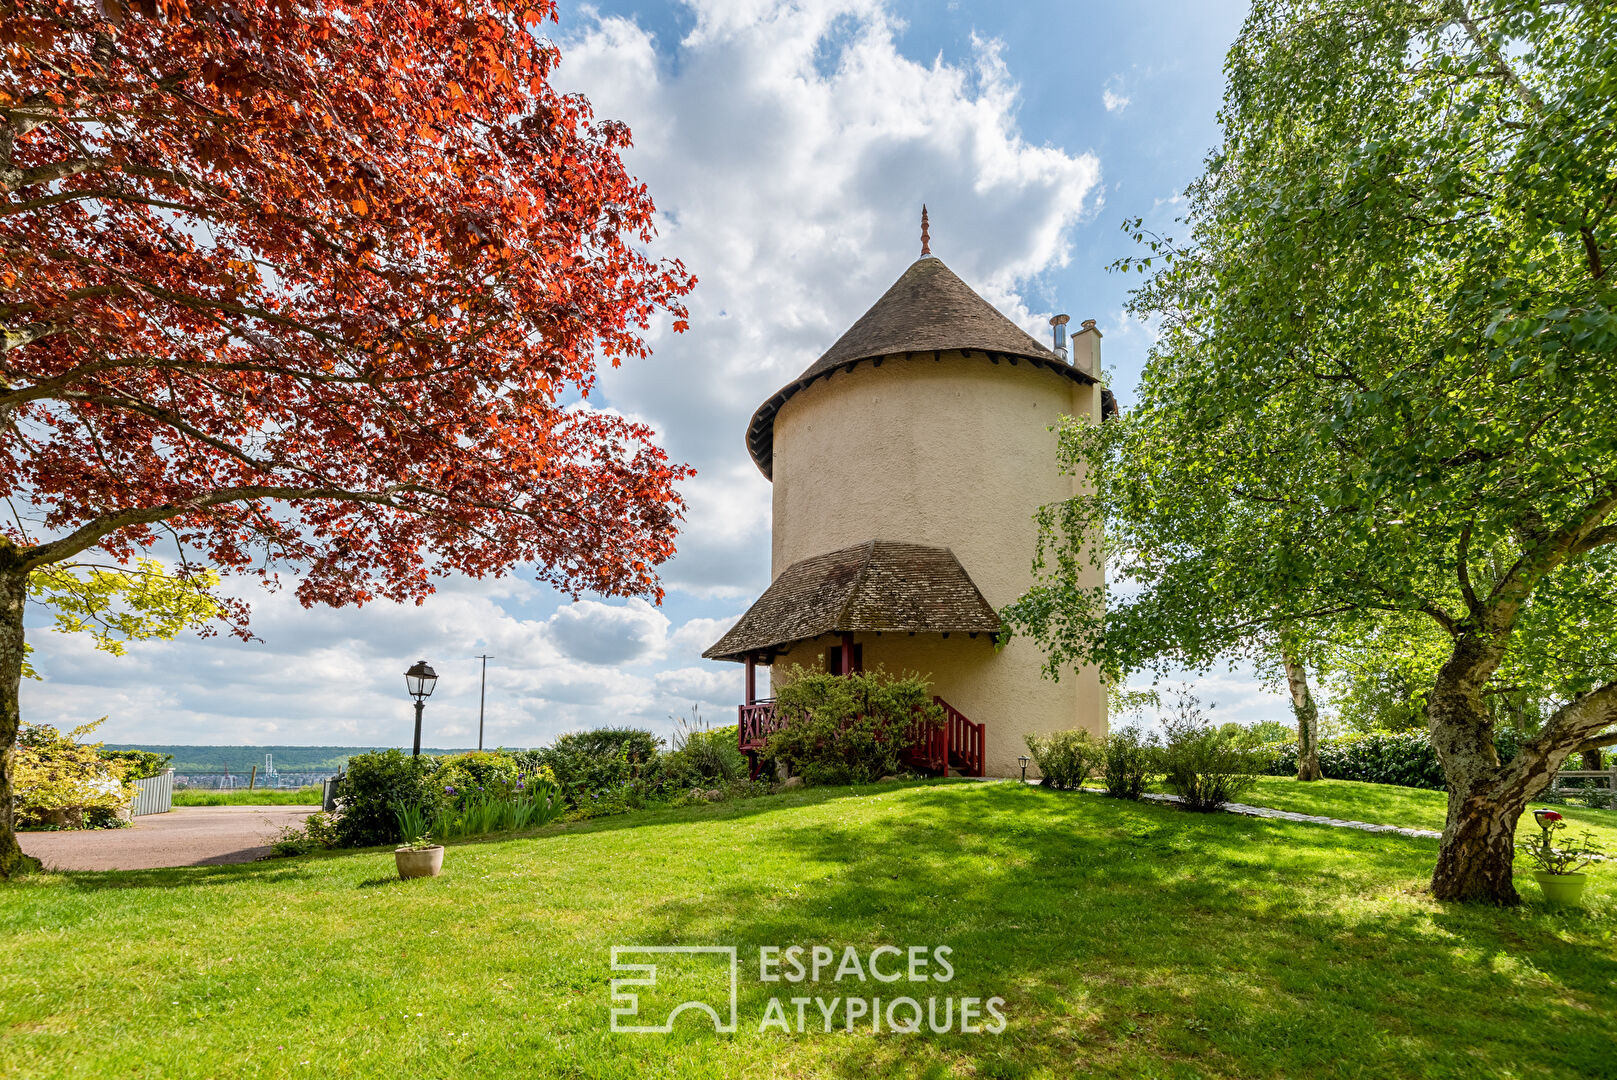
x: 908, y: 463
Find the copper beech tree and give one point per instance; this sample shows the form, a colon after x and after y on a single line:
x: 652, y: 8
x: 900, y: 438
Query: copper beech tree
x: 317, y: 285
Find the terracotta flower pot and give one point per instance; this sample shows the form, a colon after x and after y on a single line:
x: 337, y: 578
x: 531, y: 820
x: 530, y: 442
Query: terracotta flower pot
x: 1561, y: 890
x: 427, y: 862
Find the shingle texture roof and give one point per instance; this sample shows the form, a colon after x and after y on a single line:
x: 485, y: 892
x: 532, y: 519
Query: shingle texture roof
x: 877, y: 585
x: 928, y: 309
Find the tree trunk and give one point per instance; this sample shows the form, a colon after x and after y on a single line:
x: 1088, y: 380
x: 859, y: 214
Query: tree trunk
x: 1306, y: 711
x: 1477, y: 859
x: 1591, y: 760
x: 13, y: 593
x: 1477, y: 856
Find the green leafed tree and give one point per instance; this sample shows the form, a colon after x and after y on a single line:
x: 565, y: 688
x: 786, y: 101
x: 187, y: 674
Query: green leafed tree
x: 1385, y: 385
x: 116, y: 605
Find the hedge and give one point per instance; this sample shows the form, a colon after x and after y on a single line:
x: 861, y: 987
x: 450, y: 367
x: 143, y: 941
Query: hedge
x: 1405, y: 759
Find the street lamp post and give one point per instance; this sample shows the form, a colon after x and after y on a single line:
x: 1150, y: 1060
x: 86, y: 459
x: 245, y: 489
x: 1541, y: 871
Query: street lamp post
x: 420, y: 680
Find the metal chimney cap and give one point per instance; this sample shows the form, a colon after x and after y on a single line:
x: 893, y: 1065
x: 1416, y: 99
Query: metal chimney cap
x: 1063, y: 320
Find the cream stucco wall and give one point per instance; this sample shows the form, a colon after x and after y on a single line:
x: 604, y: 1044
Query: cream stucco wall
x: 954, y: 452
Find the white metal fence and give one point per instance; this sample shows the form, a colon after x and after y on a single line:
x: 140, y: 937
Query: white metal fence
x: 154, y: 794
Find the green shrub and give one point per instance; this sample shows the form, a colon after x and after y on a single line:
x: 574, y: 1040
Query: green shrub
x: 848, y: 729
x: 702, y: 756
x: 1405, y: 758
x: 1066, y: 758
x: 318, y: 831
x: 1128, y: 761
x: 587, y: 764
x: 1203, y: 765
x: 138, y: 764
x: 372, y: 789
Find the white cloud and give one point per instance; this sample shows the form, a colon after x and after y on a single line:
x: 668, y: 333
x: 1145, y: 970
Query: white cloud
x: 598, y: 633
x: 1113, y: 100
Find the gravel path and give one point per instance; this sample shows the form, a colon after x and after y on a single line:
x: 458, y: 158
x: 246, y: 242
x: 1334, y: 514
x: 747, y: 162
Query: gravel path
x: 1312, y: 819
x: 1286, y: 815
x: 185, y: 836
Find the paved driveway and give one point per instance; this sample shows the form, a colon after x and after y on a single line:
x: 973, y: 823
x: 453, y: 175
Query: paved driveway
x: 185, y: 836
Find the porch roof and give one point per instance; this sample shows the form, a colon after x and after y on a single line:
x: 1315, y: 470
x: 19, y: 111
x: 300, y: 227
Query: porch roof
x: 879, y: 585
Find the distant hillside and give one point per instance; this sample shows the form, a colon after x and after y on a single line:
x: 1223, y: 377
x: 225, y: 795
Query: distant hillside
x: 241, y: 759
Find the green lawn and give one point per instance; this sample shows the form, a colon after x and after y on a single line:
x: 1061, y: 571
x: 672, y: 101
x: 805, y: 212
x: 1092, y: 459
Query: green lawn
x: 303, y: 796
x: 1128, y: 940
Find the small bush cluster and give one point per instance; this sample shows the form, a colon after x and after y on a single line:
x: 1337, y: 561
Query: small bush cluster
x: 587, y: 764
x: 848, y: 729
x: 318, y: 832
x: 1405, y: 758
x: 388, y: 796
x: 1066, y: 758
x: 1205, y: 766
x: 1128, y: 762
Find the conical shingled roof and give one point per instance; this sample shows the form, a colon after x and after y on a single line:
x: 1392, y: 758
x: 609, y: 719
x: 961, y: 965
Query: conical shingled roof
x: 880, y: 585
x: 928, y: 309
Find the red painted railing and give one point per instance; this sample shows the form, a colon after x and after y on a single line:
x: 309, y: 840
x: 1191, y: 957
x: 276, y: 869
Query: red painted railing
x: 754, y: 724
x: 956, y: 743
x: 963, y: 741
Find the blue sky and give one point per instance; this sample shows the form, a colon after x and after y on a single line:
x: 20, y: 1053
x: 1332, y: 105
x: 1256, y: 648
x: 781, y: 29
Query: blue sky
x: 789, y: 147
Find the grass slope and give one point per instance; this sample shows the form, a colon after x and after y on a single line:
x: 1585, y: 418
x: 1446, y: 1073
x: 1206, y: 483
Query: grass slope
x: 1129, y: 940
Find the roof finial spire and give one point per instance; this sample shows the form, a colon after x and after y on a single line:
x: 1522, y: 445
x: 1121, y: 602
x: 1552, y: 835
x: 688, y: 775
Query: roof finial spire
x: 926, y: 238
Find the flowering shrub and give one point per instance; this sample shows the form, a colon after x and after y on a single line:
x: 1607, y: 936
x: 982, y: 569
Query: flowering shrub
x: 464, y: 776
x: 62, y: 781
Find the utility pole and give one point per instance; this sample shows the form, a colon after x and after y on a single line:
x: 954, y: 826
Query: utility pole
x: 482, y: 692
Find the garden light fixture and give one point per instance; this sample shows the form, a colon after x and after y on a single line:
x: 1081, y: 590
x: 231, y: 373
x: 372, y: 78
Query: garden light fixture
x: 1023, y: 759
x: 420, y: 680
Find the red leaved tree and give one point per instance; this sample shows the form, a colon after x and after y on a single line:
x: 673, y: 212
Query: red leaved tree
x: 316, y: 283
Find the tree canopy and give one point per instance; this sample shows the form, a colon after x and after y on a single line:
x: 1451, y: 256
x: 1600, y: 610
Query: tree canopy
x: 1384, y: 384
x: 320, y: 286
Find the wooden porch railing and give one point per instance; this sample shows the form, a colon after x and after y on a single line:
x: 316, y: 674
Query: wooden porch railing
x: 956, y: 744
x: 754, y: 724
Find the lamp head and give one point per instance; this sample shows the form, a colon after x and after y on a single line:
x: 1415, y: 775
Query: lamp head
x: 420, y: 679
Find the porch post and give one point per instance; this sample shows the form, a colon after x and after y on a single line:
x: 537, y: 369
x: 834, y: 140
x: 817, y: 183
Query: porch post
x: 847, y: 652
x: 752, y: 678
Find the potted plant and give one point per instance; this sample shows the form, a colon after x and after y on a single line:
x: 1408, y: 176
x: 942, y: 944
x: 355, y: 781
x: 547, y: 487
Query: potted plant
x: 1557, y: 869
x: 419, y: 857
